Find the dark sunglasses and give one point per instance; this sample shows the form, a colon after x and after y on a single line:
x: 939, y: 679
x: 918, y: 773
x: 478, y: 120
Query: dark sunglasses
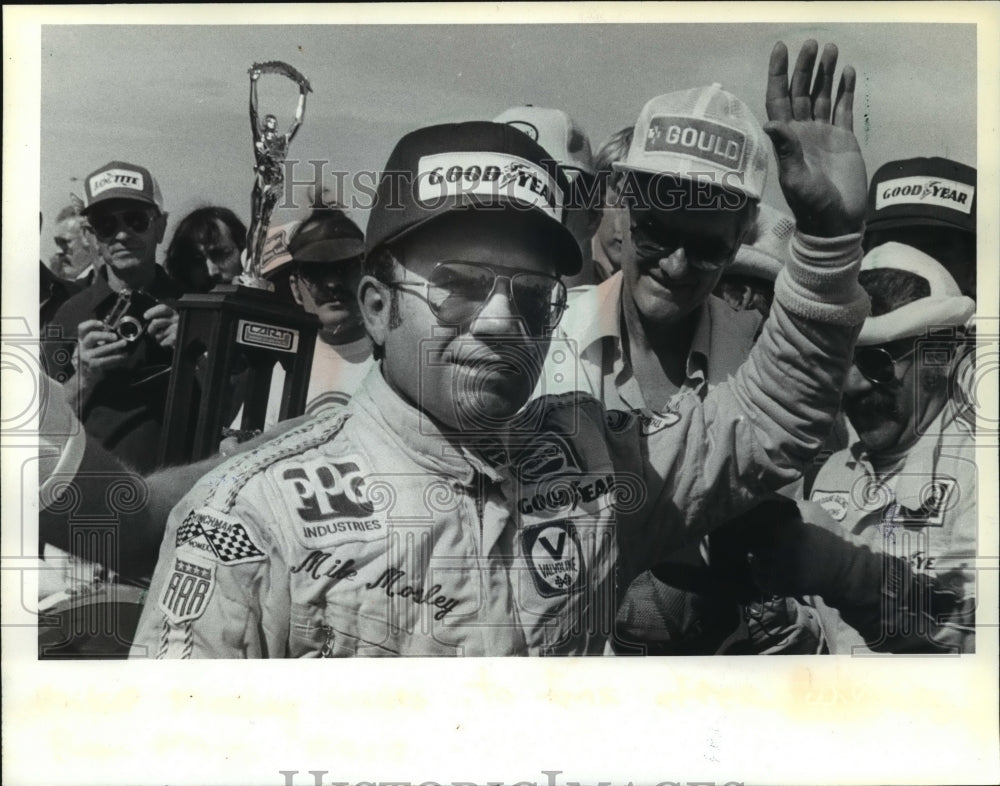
x: 648, y: 240
x: 107, y: 225
x: 457, y: 291
x: 877, y: 365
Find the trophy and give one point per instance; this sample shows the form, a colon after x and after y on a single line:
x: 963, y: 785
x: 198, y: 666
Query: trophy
x: 229, y: 340
x: 270, y: 149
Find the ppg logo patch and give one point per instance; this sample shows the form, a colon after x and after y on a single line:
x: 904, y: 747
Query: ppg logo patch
x: 555, y: 557
x: 650, y: 423
x: 188, y: 590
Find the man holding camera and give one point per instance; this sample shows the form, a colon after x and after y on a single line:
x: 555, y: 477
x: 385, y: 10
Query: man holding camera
x: 115, y: 339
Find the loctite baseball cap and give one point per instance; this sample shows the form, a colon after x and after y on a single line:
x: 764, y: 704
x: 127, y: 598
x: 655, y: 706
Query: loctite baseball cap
x: 555, y: 131
x: 478, y: 165
x: 945, y: 305
x: 704, y: 134
x: 121, y: 180
x: 923, y: 192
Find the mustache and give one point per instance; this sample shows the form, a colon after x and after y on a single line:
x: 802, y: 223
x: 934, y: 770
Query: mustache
x: 875, y: 404
x: 336, y: 293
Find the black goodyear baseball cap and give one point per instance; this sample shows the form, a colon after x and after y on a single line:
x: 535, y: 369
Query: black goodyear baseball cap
x: 327, y: 235
x: 923, y: 192
x: 477, y: 165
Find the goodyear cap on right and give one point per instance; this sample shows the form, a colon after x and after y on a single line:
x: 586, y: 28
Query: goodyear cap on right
x: 704, y: 133
x: 923, y: 192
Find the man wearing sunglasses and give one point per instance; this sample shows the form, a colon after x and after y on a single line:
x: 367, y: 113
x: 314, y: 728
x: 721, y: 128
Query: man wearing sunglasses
x: 907, y: 487
x: 437, y: 513
x: 119, y: 380
x: 654, y: 334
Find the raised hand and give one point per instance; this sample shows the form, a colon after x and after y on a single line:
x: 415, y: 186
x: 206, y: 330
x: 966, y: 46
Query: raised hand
x: 820, y: 168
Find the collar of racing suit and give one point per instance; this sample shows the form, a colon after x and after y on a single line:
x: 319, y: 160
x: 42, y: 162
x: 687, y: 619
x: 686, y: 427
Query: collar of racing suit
x: 422, y: 439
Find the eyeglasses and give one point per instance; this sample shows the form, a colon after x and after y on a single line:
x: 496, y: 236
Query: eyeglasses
x: 457, y: 291
x: 877, y: 365
x: 107, y: 225
x: 647, y: 238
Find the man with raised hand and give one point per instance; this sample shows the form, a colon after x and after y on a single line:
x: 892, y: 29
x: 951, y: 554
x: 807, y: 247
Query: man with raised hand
x: 436, y: 514
x: 653, y: 335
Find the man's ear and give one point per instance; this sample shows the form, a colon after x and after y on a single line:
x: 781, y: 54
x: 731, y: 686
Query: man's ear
x: 375, y: 300
x: 161, y: 226
x: 293, y: 285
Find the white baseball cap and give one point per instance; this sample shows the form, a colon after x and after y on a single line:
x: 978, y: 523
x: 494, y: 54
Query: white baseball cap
x: 703, y: 134
x: 944, y: 306
x: 556, y: 131
x: 768, y: 248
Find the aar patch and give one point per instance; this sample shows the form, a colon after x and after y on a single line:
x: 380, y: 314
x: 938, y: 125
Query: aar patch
x: 187, y: 591
x: 555, y: 556
x: 833, y: 502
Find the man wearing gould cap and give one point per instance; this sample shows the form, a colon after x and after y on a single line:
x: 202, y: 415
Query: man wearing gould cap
x: 654, y: 335
x: 119, y: 375
x: 436, y: 514
x: 563, y: 138
x: 929, y: 204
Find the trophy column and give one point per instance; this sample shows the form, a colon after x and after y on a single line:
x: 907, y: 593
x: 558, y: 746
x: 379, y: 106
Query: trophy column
x: 241, y: 330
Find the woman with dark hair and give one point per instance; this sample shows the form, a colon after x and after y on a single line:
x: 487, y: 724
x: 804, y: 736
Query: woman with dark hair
x: 205, y: 249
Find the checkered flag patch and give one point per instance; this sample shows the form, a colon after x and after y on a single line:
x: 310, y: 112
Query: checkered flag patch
x: 189, y: 528
x: 233, y: 544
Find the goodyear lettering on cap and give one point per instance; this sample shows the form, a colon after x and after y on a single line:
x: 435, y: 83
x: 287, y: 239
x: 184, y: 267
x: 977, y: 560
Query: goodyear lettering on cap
x: 487, y: 174
x: 116, y: 178
x: 698, y: 138
x: 922, y: 190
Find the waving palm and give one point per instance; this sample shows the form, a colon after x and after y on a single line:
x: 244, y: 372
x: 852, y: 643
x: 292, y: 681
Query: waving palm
x: 820, y: 168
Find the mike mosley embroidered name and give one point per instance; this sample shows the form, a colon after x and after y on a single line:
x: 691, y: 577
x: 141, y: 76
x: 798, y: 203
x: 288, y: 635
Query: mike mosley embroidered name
x: 390, y: 579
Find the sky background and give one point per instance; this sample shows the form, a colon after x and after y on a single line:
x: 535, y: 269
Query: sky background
x: 174, y: 98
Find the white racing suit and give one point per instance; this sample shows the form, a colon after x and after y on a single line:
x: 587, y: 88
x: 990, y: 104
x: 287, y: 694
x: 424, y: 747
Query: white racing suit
x: 366, y: 531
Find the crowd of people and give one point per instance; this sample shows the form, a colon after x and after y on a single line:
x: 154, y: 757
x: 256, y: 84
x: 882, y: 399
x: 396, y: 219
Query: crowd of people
x: 560, y: 402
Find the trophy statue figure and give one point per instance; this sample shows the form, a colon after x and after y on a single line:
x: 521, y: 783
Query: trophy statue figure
x: 270, y: 149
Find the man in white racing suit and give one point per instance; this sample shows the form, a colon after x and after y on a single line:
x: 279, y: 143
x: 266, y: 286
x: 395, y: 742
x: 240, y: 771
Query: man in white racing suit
x: 435, y: 514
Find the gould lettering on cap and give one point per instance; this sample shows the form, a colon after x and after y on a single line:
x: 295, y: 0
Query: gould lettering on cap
x: 698, y: 138
x: 116, y: 178
x: 448, y: 175
x: 923, y: 190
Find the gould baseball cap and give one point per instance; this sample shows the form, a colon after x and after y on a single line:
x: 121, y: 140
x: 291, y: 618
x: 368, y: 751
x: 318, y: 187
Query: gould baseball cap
x: 923, y: 192
x: 944, y: 306
x: 558, y: 133
x: 327, y: 235
x: 477, y: 165
x: 768, y: 248
x: 120, y: 180
x: 704, y: 134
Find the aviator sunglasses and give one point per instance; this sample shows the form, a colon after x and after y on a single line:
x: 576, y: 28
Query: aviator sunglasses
x: 107, y: 225
x: 456, y: 292
x: 648, y: 240
x: 877, y: 365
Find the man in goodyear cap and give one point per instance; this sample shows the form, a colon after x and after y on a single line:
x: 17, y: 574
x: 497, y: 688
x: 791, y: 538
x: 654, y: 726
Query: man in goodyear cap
x: 120, y: 379
x: 653, y: 335
x: 436, y: 513
x: 561, y: 136
x: 930, y: 204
